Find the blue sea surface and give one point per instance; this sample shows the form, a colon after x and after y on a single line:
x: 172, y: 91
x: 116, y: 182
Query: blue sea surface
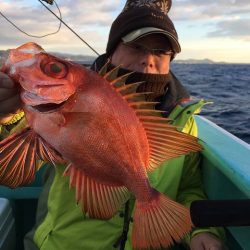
x: 227, y: 86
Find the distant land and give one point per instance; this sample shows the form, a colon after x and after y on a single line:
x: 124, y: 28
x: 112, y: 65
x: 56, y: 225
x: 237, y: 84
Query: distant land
x: 85, y: 59
x: 197, y: 61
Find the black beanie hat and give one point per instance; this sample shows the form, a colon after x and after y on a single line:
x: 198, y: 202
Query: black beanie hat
x: 139, y: 14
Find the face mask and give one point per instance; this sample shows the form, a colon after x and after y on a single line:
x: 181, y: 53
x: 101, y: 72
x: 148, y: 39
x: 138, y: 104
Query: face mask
x: 156, y: 83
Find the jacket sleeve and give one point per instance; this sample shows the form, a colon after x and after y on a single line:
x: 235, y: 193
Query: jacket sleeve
x: 16, y: 124
x: 3, y: 132
x: 191, y: 186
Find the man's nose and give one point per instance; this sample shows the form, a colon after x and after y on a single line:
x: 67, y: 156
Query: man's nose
x: 148, y: 62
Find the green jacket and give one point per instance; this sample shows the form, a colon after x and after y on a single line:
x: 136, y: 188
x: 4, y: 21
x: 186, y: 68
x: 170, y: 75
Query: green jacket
x: 61, y: 225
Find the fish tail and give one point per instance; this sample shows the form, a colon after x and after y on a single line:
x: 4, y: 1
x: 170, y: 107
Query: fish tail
x: 159, y: 223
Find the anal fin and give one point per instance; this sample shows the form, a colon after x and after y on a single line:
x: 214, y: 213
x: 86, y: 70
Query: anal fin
x: 98, y: 200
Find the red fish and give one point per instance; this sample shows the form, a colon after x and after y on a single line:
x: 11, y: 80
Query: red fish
x: 109, y: 136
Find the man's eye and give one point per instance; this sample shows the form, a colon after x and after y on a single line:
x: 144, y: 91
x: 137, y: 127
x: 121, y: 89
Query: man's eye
x: 138, y: 47
x: 164, y: 52
x: 158, y: 52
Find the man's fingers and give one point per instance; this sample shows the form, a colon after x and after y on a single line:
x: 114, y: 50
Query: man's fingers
x: 9, y: 97
x: 6, y: 82
x: 7, y: 93
x: 10, y: 105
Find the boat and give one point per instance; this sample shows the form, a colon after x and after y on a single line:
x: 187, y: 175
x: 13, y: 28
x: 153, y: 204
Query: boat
x: 226, y: 176
x: 226, y: 173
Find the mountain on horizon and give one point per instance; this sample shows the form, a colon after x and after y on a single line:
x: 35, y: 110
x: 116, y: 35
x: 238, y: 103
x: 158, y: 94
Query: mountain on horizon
x: 195, y: 61
x: 86, y: 59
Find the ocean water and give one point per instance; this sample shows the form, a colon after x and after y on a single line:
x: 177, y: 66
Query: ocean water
x: 227, y: 86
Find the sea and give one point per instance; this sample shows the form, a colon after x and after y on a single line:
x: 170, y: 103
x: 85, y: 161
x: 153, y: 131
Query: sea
x: 227, y: 86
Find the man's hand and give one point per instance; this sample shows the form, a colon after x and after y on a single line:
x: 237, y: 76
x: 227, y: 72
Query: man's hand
x: 206, y: 241
x: 9, y: 96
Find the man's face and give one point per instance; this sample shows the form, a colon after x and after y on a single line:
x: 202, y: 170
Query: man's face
x: 137, y: 56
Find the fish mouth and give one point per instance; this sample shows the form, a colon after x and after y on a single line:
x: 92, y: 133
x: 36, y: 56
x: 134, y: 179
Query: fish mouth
x: 48, y: 107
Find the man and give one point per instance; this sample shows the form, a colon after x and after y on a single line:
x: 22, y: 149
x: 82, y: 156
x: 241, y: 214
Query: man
x: 142, y: 39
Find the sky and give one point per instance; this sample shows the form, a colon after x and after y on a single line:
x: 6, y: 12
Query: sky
x: 218, y: 30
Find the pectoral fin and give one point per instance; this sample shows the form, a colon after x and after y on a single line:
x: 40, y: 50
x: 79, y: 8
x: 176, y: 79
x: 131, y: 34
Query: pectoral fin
x: 18, y: 157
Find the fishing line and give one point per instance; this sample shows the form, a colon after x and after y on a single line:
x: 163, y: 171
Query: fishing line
x: 35, y: 36
x: 59, y: 18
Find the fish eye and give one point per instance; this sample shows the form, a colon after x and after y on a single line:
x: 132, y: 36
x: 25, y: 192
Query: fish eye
x: 55, y: 69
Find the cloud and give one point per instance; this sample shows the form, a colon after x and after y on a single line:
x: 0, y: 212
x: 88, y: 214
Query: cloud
x: 204, y: 10
x: 222, y: 18
x: 77, y: 12
x: 232, y: 28
x: 83, y: 13
x: 90, y: 19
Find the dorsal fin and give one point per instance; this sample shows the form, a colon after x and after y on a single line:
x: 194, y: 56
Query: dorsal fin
x: 142, y: 105
x: 104, y: 69
x: 149, y: 124
x: 128, y: 91
x: 128, y: 88
x: 120, y: 81
x: 142, y: 112
x: 112, y: 74
x: 165, y: 141
x: 156, y: 119
x: 132, y: 97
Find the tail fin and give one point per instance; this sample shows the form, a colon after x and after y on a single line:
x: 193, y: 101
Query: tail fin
x: 160, y: 223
